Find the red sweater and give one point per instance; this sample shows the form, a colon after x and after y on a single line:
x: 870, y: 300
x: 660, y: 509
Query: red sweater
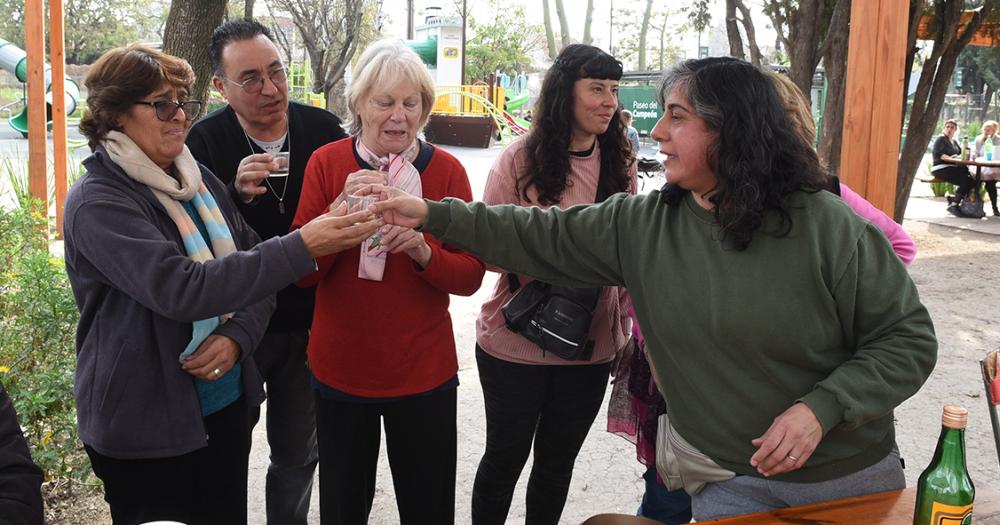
x: 392, y: 337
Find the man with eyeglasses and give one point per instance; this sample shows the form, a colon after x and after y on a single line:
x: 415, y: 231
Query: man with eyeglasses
x: 238, y: 143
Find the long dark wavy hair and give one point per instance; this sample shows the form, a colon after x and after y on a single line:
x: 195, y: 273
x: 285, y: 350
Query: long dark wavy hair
x: 547, y: 145
x: 758, y: 159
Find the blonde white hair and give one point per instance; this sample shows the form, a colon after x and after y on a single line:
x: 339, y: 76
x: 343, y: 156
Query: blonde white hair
x: 383, y: 66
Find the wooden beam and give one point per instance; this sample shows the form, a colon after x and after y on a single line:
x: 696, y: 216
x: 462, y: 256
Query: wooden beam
x: 35, y: 43
x: 873, y: 102
x: 57, y: 58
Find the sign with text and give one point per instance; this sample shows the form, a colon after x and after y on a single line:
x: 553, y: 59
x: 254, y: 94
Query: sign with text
x: 641, y: 101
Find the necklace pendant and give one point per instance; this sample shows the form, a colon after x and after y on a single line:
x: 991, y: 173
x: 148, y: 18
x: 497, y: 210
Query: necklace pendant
x: 281, y: 207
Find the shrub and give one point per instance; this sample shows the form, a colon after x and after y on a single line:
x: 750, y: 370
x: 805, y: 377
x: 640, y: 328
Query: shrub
x: 38, y: 319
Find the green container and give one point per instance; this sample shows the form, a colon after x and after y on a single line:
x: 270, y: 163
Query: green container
x: 944, y: 490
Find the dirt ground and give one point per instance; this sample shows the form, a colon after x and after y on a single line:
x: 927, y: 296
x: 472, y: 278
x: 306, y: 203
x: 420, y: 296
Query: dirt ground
x: 956, y: 271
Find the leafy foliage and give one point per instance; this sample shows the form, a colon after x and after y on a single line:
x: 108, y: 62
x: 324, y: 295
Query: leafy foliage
x: 504, y: 44
x: 92, y: 26
x: 627, y: 27
x: 38, y: 317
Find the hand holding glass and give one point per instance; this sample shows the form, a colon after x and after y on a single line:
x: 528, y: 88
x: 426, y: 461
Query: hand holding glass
x: 281, y: 161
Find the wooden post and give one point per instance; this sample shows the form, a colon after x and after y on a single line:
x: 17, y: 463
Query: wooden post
x: 873, y: 101
x: 59, y: 153
x: 35, y: 42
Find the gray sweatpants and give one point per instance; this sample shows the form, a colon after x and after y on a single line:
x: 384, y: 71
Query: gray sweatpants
x: 749, y: 494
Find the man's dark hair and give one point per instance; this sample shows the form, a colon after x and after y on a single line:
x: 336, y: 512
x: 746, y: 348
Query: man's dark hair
x: 234, y: 31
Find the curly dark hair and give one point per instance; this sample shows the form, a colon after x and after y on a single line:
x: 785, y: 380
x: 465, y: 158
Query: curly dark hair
x: 547, y: 145
x: 121, y: 77
x: 759, y: 160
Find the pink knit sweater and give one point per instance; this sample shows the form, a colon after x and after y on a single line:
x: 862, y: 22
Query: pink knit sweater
x: 611, y: 325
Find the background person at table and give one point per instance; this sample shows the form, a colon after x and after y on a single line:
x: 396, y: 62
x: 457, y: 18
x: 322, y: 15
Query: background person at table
x: 945, y: 146
x: 382, y: 349
x: 576, y: 144
x: 989, y: 175
x: 170, y: 309
x: 236, y: 143
x: 761, y: 297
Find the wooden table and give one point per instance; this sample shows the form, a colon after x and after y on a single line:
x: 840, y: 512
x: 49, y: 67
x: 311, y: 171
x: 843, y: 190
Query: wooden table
x: 978, y: 163
x: 885, y: 508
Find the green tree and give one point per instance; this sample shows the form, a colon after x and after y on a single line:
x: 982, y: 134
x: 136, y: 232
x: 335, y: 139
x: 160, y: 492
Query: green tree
x: 950, y: 36
x: 91, y: 26
x: 332, y: 32
x: 658, y: 46
x: 504, y: 43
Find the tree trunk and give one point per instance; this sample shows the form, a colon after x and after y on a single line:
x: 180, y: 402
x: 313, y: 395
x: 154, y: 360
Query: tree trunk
x: 188, y: 34
x: 643, y: 33
x: 550, y: 37
x: 733, y: 31
x: 563, y: 24
x: 804, y: 33
x: 588, y: 38
x: 748, y: 28
x: 663, y: 36
x: 987, y: 100
x: 835, y: 65
x: 248, y: 8
x: 935, y: 78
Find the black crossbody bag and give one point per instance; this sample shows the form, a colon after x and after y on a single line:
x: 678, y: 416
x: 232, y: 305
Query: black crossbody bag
x: 556, y: 318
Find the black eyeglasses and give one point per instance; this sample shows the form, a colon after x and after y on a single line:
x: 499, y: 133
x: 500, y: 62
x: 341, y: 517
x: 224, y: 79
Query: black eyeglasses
x: 166, y: 109
x: 254, y: 85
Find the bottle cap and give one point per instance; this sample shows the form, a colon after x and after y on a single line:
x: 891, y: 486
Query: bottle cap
x: 955, y: 417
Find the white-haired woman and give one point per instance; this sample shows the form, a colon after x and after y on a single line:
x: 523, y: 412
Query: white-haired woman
x: 382, y: 350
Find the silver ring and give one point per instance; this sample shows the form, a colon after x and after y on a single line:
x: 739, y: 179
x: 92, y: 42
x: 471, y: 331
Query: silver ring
x: 793, y: 458
x: 216, y: 372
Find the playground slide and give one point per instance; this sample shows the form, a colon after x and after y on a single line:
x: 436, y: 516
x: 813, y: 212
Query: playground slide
x: 516, y: 102
x: 517, y: 126
x: 14, y: 60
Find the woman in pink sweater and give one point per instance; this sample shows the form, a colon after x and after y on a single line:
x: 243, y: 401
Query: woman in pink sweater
x: 576, y: 151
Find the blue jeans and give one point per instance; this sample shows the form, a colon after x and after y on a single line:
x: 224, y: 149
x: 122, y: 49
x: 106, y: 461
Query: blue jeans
x: 666, y: 506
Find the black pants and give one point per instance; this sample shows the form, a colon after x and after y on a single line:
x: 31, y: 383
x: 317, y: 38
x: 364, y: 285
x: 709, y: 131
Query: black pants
x: 207, y: 486
x: 991, y: 190
x: 552, y: 405
x: 420, y: 434
x: 957, y: 175
x: 291, y: 426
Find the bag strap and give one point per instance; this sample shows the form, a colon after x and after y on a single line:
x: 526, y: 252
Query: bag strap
x: 513, y: 283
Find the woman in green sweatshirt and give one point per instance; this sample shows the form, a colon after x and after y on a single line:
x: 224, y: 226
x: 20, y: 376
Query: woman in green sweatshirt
x: 782, y: 328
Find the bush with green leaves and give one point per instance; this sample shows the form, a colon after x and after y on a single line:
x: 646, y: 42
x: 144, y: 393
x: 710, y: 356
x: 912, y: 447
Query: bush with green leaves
x: 38, y: 318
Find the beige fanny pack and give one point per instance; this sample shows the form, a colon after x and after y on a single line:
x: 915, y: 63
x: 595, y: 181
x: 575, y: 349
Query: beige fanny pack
x: 681, y: 465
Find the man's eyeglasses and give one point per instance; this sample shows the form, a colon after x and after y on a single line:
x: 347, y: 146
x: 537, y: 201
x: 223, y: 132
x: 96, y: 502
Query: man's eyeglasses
x: 166, y: 109
x: 254, y: 85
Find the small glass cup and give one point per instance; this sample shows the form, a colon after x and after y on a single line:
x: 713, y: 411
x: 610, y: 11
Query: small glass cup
x: 356, y: 203
x: 281, y: 160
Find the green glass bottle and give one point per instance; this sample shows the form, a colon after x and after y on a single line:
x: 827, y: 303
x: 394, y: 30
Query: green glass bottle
x: 944, y: 490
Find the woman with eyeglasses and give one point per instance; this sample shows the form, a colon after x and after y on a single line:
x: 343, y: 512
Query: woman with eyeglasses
x: 171, y: 307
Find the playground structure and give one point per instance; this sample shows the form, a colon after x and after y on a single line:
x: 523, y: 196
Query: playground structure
x: 14, y: 60
x: 465, y: 115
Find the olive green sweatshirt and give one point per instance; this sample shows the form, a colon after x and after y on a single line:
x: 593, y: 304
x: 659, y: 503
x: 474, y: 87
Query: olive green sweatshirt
x: 825, y: 314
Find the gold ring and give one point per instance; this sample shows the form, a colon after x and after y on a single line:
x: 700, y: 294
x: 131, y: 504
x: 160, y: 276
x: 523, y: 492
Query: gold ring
x: 793, y: 458
x: 216, y: 372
